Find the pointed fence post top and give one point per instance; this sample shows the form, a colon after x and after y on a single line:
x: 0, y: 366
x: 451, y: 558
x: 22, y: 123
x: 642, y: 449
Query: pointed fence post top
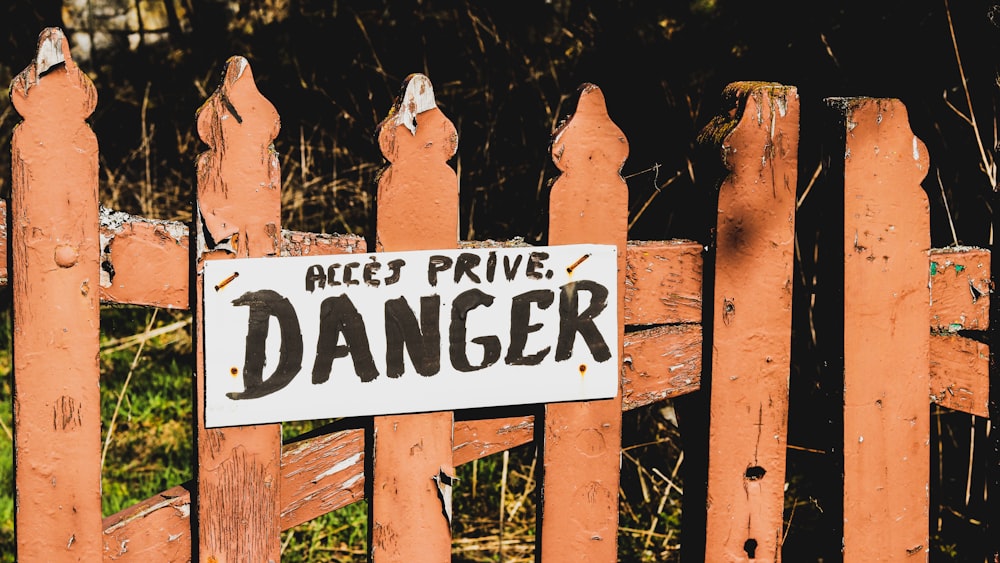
x: 65, y: 95
x: 237, y: 106
x: 748, y: 108
x: 418, y: 190
x: 592, y: 138
x: 589, y: 200
x: 416, y: 110
x: 239, y: 178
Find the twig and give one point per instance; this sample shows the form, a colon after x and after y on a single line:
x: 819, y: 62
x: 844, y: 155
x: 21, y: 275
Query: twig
x: 503, y: 494
x: 528, y: 487
x: 636, y: 532
x: 788, y: 526
x: 121, y: 395
x: 989, y: 167
x: 656, y: 192
x: 116, y: 344
x: 6, y: 429
x: 147, y: 185
x: 656, y: 519
x: 944, y: 196
x: 805, y: 192
x: 669, y: 481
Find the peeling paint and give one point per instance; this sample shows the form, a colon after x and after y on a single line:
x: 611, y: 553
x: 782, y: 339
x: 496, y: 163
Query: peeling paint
x: 338, y: 467
x: 418, y: 97
x: 445, y: 481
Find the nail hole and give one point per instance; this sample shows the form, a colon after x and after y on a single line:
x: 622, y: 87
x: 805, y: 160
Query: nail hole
x: 755, y: 473
x: 750, y: 546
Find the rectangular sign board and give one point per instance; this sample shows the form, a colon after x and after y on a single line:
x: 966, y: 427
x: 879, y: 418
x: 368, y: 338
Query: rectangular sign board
x: 310, y: 337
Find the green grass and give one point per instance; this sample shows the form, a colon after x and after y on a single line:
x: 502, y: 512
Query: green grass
x: 6, y: 461
x: 151, y: 445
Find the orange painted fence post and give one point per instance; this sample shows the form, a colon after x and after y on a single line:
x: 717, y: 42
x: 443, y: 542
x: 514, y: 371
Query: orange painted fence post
x: 582, y: 440
x: 758, y: 138
x: 56, y: 259
x: 238, y: 216
x: 886, y: 337
x: 412, y: 460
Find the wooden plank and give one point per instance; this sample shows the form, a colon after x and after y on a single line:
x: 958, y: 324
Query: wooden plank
x: 130, y: 244
x: 417, y: 209
x: 239, y: 207
x: 886, y: 343
x: 156, y: 529
x: 56, y: 250
x: 663, y: 282
x: 582, y: 441
x: 660, y: 363
x: 757, y: 135
x: 959, y: 373
x: 959, y: 289
x: 151, y: 257
x: 662, y: 286
x: 321, y: 474
x: 476, y: 439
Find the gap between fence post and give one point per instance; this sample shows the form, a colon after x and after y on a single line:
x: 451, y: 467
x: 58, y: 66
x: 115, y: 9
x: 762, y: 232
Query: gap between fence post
x: 56, y: 263
x: 238, y: 215
x: 581, y: 448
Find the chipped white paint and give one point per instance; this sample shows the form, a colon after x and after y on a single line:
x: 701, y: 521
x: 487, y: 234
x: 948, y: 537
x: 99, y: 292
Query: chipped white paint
x: 184, y: 511
x: 348, y: 483
x: 418, y: 98
x: 242, y: 65
x: 338, y: 467
x: 50, y: 52
x: 916, y: 148
x: 114, y: 222
x: 782, y: 105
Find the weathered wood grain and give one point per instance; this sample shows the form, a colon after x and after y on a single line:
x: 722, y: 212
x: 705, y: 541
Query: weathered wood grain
x: 659, y: 363
x: 959, y: 289
x: 959, y: 373
x: 663, y: 282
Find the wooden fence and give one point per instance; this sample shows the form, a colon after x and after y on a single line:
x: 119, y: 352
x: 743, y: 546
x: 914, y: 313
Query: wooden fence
x: 69, y: 256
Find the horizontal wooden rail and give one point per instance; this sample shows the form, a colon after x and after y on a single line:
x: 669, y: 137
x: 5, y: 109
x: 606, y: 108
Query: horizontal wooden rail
x: 960, y: 305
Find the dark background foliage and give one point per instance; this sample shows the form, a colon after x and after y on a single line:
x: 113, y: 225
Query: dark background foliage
x: 505, y: 73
